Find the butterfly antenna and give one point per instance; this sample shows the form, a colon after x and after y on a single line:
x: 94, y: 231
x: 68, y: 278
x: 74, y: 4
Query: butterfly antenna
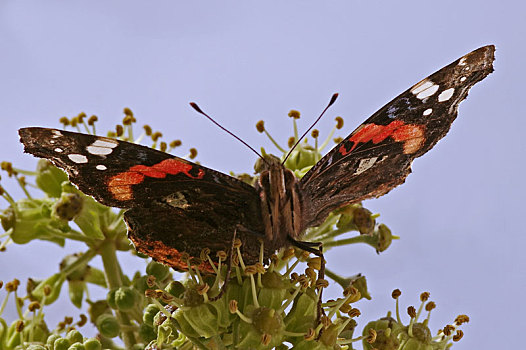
x: 331, y: 102
x: 200, y: 111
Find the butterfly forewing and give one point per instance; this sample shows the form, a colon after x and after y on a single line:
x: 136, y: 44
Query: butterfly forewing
x: 377, y: 156
x: 175, y: 205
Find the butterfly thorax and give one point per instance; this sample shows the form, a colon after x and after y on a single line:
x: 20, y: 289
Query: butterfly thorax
x: 280, y: 204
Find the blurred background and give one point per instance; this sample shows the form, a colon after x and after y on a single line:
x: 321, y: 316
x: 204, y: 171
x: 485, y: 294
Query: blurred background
x: 458, y: 214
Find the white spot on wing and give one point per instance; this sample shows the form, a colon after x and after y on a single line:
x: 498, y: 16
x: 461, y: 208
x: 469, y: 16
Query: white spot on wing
x: 58, y: 150
x: 101, y: 167
x: 427, y: 112
x: 424, y: 89
x: 109, y: 143
x: 446, y: 95
x: 102, y: 147
x: 78, y: 158
x: 99, y: 151
x: 462, y: 61
x: 463, y: 79
x: 365, y: 164
x: 56, y: 134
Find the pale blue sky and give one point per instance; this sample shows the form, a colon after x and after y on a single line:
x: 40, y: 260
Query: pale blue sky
x: 459, y: 213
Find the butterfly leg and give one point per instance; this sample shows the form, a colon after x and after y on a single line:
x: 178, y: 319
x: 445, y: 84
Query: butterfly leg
x: 315, y: 248
x: 228, y: 270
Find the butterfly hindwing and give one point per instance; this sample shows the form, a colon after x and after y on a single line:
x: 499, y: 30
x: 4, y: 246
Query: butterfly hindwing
x: 377, y: 156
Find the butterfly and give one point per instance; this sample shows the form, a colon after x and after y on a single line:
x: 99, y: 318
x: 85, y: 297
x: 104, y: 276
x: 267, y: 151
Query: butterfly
x: 176, y: 208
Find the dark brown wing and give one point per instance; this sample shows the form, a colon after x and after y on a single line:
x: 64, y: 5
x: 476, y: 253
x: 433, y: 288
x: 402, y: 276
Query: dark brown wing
x: 174, y: 205
x: 377, y: 156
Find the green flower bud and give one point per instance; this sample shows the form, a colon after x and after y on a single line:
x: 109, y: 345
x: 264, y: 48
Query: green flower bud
x: 266, y: 324
x: 97, y: 308
x: 36, y: 347
x: 267, y: 321
x: 149, y: 313
x: 77, y: 346
x: 387, y: 330
x: 51, y: 340
x: 92, y: 344
x: 110, y: 298
x: 147, y: 333
x: 384, y: 237
x: 68, y: 206
x: 75, y: 336
x: 108, y: 325
x: 50, y: 178
x: 159, y: 271
x: 61, y: 344
x: 363, y: 220
x: 175, y: 288
x: 421, y: 338
x: 8, y: 218
x: 192, y: 298
x: 125, y: 298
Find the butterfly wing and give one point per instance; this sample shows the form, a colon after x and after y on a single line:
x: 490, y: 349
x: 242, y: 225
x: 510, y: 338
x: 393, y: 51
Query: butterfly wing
x: 377, y: 156
x: 173, y: 205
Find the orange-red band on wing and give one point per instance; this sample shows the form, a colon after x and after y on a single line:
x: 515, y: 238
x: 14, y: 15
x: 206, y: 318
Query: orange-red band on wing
x: 411, y: 134
x: 120, y: 184
x: 167, y: 255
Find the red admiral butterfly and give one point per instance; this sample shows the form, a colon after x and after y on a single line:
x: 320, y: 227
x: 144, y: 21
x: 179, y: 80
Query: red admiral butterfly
x: 175, y: 206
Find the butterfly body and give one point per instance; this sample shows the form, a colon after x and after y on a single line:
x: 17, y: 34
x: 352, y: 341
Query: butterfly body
x: 175, y: 206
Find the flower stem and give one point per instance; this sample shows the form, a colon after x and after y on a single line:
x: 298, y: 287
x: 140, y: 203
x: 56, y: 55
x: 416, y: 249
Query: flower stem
x: 113, y: 273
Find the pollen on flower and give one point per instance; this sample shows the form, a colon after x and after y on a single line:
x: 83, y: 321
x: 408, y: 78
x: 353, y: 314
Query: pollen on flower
x: 294, y: 114
x: 315, y: 133
x: 260, y: 126
x: 337, y: 139
x: 430, y: 306
x: 156, y: 135
x: 424, y: 296
x: 458, y: 335
x: 127, y: 111
x: 339, y: 122
x: 81, y: 116
x: 147, y: 130
x: 175, y: 143
x: 33, y: 306
x: 461, y: 319
x: 193, y: 153
x: 372, y: 336
x: 291, y: 141
x: 411, y: 311
x: 396, y: 293
x: 92, y: 120
x: 119, y: 130
x: 64, y: 121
